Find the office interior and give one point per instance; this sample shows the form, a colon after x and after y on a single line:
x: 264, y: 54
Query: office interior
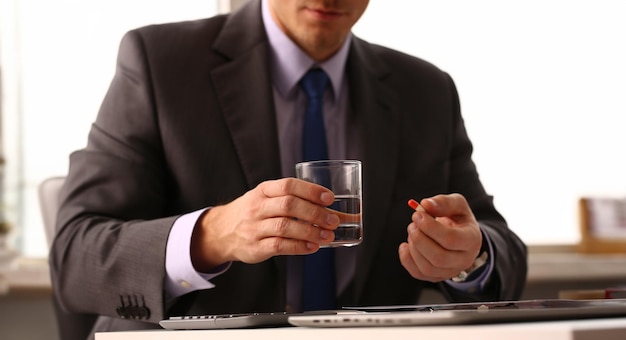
x: 542, y: 93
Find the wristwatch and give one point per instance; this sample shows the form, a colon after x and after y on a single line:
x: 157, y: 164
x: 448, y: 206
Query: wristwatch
x: 475, y: 269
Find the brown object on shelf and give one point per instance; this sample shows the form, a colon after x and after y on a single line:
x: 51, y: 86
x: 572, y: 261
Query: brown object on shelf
x: 590, y: 294
x: 602, y: 225
x: 593, y: 294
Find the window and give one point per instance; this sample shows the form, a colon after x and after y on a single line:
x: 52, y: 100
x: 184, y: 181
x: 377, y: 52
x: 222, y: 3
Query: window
x: 542, y: 86
x: 58, y: 58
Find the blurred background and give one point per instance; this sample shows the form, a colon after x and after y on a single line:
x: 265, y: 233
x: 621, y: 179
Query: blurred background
x: 542, y: 86
x: 543, y: 92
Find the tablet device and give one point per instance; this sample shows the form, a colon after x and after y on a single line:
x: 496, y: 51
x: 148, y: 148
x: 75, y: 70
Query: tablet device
x: 243, y: 320
x: 251, y: 320
x: 472, y: 313
x: 407, y: 315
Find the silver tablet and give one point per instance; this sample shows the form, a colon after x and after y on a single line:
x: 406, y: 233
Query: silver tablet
x: 475, y: 313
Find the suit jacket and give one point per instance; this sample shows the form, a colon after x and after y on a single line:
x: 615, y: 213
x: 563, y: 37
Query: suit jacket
x: 188, y: 122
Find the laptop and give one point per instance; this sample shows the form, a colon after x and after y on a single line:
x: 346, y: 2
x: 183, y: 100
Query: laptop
x: 413, y: 315
x: 242, y: 320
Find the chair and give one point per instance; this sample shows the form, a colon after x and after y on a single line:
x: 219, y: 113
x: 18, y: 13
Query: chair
x: 71, y: 326
x: 49, y: 191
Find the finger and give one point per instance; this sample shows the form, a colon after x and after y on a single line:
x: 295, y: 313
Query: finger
x: 410, y: 264
x: 298, y: 199
x: 292, y: 229
x: 275, y: 246
x: 283, y: 236
x: 454, y: 206
x: 312, y: 192
x: 455, y: 228
x: 449, y: 238
x: 435, y: 256
x: 304, y: 211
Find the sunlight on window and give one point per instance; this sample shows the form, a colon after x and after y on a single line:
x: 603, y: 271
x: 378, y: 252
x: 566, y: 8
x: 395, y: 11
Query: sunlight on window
x: 542, y: 87
x: 67, y: 52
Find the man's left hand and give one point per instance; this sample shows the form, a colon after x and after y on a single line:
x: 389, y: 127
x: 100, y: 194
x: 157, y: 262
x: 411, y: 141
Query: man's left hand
x: 443, y: 239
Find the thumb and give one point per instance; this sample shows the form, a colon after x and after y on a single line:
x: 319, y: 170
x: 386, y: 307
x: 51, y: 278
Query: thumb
x: 454, y: 206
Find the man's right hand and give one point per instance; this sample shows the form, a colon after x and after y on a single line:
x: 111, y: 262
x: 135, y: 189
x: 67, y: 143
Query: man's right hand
x: 279, y: 217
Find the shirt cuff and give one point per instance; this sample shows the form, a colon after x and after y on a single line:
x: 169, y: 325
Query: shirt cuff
x: 478, y: 284
x: 180, y: 275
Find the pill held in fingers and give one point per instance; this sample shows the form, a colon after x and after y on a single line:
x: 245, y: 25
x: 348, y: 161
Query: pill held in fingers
x: 415, y: 206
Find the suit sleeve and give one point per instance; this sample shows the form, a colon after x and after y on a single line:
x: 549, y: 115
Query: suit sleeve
x: 110, y: 245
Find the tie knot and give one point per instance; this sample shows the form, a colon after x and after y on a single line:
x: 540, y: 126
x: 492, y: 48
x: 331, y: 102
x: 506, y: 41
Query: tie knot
x: 314, y: 83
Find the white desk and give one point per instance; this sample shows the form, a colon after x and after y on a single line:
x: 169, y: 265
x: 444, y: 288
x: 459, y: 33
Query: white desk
x: 599, y: 329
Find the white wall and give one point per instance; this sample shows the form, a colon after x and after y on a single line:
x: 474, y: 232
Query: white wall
x: 61, y: 65
x: 542, y: 85
x: 543, y: 91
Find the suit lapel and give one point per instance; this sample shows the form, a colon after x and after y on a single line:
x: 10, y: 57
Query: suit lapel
x: 244, y: 89
x: 377, y: 119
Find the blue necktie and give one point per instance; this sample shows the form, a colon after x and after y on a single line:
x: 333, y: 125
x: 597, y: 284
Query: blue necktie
x: 318, y: 278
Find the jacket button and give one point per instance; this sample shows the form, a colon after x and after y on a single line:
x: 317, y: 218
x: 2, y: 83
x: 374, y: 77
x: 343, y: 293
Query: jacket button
x: 130, y: 308
x: 121, y: 311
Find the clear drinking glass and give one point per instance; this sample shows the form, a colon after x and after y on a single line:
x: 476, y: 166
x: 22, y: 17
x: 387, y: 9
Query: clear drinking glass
x: 343, y: 177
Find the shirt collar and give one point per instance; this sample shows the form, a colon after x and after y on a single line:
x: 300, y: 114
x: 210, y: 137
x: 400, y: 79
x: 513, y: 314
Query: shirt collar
x: 289, y: 63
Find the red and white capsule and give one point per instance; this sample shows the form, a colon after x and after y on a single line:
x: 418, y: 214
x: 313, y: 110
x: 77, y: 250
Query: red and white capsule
x: 415, y: 206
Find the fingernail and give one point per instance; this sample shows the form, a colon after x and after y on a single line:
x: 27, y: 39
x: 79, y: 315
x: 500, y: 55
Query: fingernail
x: 326, y: 234
x: 418, y: 218
x: 432, y: 201
x: 332, y: 219
x: 412, y: 228
x: 326, y: 197
x: 311, y: 245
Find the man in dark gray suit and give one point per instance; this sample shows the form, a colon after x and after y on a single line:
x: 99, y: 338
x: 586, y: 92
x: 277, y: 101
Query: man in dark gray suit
x: 184, y: 201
